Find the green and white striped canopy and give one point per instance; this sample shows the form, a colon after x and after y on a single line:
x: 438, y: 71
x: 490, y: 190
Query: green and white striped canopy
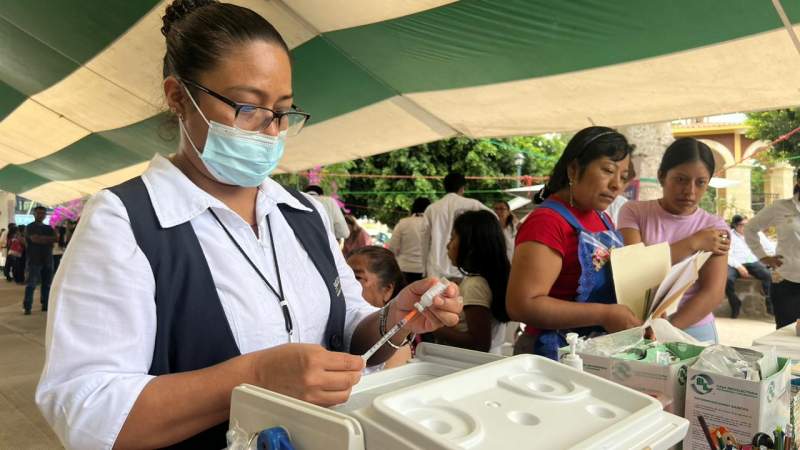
x: 80, y: 81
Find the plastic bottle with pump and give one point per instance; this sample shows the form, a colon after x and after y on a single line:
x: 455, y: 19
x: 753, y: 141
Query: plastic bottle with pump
x: 572, y: 359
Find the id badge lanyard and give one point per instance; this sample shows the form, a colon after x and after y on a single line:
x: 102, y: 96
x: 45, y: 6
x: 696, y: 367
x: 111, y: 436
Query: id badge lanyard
x: 287, y: 318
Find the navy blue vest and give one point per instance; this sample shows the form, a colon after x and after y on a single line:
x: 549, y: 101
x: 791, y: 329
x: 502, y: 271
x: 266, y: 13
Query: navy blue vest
x: 192, y: 331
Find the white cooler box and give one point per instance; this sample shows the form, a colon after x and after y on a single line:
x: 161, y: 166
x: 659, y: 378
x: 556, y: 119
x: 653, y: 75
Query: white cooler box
x: 439, y: 402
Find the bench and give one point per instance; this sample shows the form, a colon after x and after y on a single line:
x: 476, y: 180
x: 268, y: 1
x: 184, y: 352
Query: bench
x: 753, y: 306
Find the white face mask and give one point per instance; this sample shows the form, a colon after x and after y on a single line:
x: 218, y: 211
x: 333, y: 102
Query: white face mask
x: 237, y: 157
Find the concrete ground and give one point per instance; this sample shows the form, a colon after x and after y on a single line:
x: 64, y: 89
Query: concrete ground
x: 741, y: 331
x: 22, y: 355
x: 21, y: 359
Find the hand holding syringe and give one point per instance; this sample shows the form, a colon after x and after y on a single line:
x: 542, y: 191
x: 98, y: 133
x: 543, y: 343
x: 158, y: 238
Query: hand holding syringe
x: 425, y: 301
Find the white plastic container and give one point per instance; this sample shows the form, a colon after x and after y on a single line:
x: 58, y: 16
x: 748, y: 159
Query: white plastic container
x: 312, y: 427
x: 431, y: 361
x: 521, y: 402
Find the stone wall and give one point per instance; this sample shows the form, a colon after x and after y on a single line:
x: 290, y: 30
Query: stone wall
x: 651, y: 140
x: 753, y: 305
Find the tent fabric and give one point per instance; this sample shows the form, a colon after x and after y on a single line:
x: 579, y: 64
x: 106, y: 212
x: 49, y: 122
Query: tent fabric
x: 81, y: 107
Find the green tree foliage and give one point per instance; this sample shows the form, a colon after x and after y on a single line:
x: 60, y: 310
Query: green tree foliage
x: 390, y: 199
x: 770, y: 125
x: 709, y: 201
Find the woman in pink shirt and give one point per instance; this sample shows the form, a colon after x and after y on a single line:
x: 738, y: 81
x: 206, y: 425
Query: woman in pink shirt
x: 684, y: 173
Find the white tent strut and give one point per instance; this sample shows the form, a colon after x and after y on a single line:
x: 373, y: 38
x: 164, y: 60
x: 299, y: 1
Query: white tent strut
x: 787, y: 24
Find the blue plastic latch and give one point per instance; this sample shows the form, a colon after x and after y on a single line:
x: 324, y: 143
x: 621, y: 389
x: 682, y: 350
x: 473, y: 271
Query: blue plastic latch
x: 276, y: 438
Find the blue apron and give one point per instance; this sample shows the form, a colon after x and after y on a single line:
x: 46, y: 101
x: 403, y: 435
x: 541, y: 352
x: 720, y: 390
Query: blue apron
x: 595, y: 284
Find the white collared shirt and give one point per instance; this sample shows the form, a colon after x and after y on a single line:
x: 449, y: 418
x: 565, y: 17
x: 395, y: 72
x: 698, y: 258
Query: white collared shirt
x: 406, y: 243
x: 784, y: 215
x: 739, y: 252
x: 102, y: 320
x: 439, y: 218
x: 335, y: 215
x: 510, y: 233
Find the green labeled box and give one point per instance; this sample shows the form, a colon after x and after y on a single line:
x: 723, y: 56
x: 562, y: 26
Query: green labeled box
x: 665, y: 382
x: 742, y: 407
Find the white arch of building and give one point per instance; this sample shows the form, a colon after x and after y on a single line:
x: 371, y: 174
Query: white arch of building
x: 738, y: 198
x: 753, y: 148
x: 721, y: 151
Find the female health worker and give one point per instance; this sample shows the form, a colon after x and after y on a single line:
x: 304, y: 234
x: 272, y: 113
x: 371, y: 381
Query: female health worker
x: 203, y: 273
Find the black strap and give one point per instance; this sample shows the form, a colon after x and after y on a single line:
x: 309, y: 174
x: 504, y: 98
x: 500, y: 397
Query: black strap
x: 287, y: 318
x: 309, y: 230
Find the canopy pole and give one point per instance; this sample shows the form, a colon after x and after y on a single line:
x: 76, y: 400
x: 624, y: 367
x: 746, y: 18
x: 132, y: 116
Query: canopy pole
x: 787, y: 24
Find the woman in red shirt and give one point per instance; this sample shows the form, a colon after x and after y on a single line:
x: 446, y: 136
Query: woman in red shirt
x: 560, y: 281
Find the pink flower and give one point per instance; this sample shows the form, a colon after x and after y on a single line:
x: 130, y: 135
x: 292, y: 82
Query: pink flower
x: 600, y: 258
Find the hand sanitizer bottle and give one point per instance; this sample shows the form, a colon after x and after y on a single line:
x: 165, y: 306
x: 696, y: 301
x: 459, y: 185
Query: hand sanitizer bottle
x: 572, y: 359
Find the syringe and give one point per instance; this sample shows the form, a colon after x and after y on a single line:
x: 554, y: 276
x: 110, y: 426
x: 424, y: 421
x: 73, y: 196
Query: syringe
x: 425, y: 301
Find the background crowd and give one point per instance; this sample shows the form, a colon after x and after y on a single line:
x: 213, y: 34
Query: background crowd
x: 533, y: 280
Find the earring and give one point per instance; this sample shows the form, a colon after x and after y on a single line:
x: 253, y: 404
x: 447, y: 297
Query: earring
x: 571, y: 202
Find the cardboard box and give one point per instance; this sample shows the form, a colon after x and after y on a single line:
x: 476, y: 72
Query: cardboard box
x: 742, y: 407
x: 667, y: 383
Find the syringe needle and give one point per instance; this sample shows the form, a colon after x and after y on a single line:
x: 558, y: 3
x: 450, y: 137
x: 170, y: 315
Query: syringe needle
x: 389, y: 334
x: 425, y: 301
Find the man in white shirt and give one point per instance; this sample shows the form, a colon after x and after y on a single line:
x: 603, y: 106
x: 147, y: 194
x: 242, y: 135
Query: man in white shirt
x: 743, y: 263
x: 332, y: 209
x: 406, y: 241
x: 438, y: 223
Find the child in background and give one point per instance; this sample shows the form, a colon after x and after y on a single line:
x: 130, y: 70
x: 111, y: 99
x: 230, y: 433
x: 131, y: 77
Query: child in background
x: 478, y: 248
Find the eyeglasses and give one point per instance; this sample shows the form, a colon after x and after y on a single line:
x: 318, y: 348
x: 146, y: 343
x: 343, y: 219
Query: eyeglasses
x: 254, y: 118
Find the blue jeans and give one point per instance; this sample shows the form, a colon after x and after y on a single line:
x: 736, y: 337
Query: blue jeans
x: 38, y: 273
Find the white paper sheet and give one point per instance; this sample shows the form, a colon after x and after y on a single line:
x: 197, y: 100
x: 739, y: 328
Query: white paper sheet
x: 679, y: 279
x: 636, y: 269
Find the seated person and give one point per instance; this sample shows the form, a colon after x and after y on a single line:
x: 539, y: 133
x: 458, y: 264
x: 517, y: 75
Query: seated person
x: 742, y: 263
x: 381, y: 280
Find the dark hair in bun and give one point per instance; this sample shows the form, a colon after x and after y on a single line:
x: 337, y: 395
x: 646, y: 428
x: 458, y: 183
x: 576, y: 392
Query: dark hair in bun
x: 200, y: 32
